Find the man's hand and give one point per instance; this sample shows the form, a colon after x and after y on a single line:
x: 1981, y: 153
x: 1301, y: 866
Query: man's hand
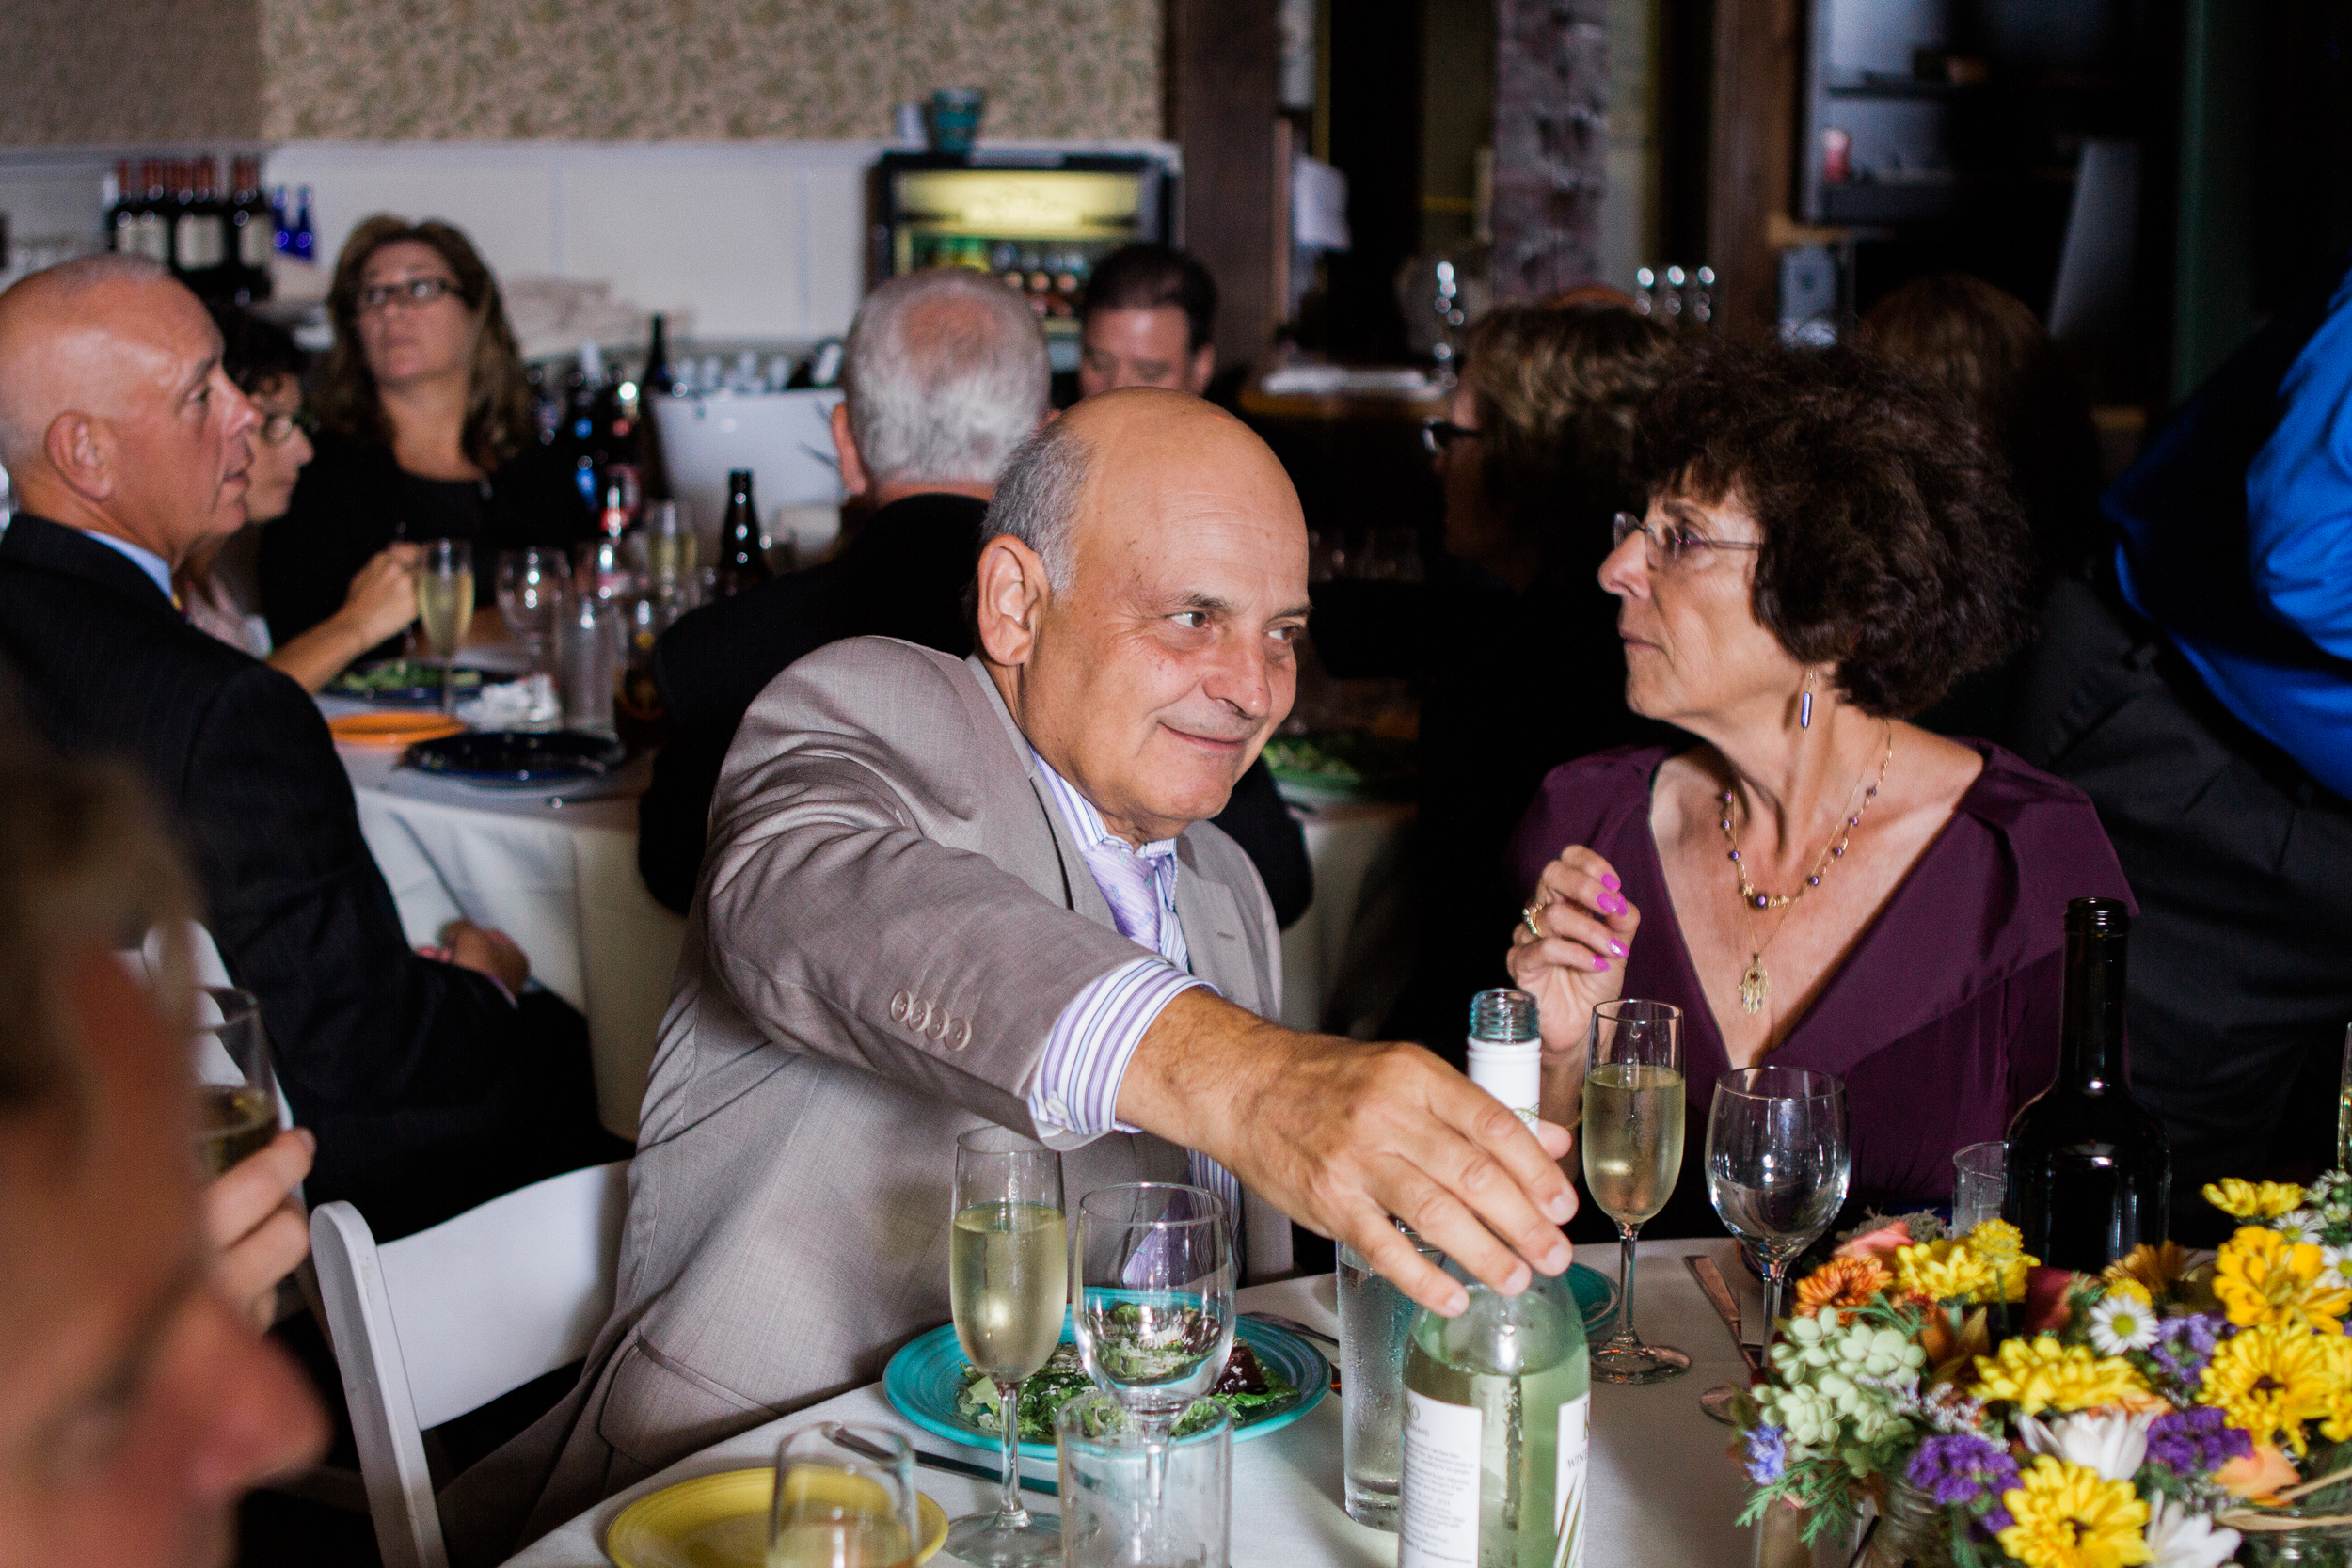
x: 258, y: 1233
x: 485, y: 951
x: 1339, y: 1134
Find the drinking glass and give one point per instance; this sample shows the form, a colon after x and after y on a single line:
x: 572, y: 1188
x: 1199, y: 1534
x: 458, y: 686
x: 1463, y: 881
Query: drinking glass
x: 1374, y: 1319
x: 1980, y: 1185
x: 587, y: 662
x: 1114, y: 1516
x: 838, y: 1505
x: 1632, y: 1141
x: 532, y: 594
x: 236, y: 1093
x: 445, y: 602
x: 1008, y: 1277
x: 1777, y: 1163
x: 670, y: 548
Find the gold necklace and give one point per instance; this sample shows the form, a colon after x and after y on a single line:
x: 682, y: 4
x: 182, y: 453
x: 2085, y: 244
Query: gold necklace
x: 1755, y: 986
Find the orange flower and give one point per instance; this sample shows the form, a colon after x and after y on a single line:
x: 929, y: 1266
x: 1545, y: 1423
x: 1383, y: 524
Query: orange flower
x: 2155, y: 1267
x: 1882, y: 1244
x: 1842, y: 1285
x: 1951, y: 1356
x: 2260, y: 1473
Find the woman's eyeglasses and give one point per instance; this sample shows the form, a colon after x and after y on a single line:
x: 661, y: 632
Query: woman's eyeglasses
x: 1441, y: 436
x: 409, y: 291
x: 1670, y: 543
x: 278, y: 429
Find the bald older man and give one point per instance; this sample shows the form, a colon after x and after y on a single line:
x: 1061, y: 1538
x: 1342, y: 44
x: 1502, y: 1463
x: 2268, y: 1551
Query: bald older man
x: 948, y: 893
x: 430, y: 1085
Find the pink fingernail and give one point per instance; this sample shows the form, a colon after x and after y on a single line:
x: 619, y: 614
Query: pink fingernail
x: 1618, y: 948
x: 1600, y: 964
x: 1612, y: 904
x: 1609, y: 879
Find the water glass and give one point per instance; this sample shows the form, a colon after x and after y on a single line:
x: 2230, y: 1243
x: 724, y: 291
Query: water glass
x: 532, y: 589
x: 445, y: 602
x: 672, y: 549
x: 1979, y: 1183
x: 1115, y: 1513
x: 1154, y: 1266
x: 839, y: 1506
x: 1009, y: 1278
x: 1777, y: 1164
x: 236, y: 1091
x: 1632, y: 1144
x: 586, y: 663
x: 1374, y: 1316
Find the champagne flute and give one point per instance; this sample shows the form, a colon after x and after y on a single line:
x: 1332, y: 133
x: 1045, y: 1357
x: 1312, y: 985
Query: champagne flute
x: 845, y: 1498
x: 236, y: 1094
x: 1632, y: 1140
x: 1009, y: 1278
x: 532, y: 588
x: 1777, y: 1164
x: 670, y: 546
x: 445, y: 602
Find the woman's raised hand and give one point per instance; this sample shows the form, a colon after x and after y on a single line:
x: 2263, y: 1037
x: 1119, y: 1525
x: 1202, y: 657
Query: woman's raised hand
x: 1579, y: 961
x: 383, y: 595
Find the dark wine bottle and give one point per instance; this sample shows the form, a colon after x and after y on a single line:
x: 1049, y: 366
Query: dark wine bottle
x: 741, y: 562
x: 657, y: 379
x: 2090, y: 1169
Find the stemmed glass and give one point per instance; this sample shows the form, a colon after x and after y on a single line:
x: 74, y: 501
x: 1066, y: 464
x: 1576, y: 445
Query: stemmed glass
x: 532, y: 587
x: 1632, y: 1140
x: 445, y: 604
x: 1777, y: 1164
x: 1008, y: 1277
x: 236, y: 1091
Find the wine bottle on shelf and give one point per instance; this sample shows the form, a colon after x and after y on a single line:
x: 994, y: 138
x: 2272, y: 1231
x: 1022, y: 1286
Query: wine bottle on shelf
x: 1498, y: 1405
x: 253, y: 229
x: 742, y: 563
x: 656, y: 381
x: 2090, y: 1169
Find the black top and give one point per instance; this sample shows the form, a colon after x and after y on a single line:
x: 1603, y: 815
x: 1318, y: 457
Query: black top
x: 905, y: 574
x: 353, y: 499
x: 425, y: 1088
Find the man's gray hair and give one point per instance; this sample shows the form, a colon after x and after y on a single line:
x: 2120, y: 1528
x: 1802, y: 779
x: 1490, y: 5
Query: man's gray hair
x: 945, y: 374
x: 1037, y: 499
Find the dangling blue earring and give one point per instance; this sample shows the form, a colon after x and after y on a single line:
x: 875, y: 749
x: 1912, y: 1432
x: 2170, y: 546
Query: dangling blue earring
x: 1805, y: 705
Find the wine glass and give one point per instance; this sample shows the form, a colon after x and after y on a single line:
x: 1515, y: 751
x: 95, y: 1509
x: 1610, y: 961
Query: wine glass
x: 845, y: 1498
x: 445, y: 602
x: 670, y: 546
x: 1632, y: 1139
x: 1008, y: 1277
x: 532, y: 589
x: 236, y: 1093
x: 1777, y: 1164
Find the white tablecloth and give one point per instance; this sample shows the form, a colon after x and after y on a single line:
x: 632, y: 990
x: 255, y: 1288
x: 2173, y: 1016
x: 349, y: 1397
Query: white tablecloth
x: 1664, y: 1490
x: 560, y: 879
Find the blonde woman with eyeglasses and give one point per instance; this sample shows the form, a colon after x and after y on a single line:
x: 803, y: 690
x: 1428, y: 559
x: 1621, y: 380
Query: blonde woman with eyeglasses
x: 217, y: 586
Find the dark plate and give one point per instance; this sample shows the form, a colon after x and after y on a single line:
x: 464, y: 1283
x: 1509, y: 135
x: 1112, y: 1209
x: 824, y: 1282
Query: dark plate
x: 517, y: 759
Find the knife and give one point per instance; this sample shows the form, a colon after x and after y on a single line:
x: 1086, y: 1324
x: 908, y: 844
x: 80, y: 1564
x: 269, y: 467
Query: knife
x: 928, y: 1461
x: 1727, y: 1307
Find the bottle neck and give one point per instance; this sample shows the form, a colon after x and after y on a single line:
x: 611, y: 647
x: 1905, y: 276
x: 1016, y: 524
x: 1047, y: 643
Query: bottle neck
x: 2090, y: 1032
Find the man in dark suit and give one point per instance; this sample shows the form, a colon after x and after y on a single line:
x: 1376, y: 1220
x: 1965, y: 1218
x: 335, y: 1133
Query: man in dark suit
x: 431, y: 1086
x: 946, y: 372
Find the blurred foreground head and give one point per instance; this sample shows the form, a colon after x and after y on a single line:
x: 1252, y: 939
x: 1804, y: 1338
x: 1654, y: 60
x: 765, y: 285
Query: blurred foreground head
x: 136, y: 1405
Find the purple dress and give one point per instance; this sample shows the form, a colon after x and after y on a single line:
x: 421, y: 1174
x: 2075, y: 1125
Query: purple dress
x: 1943, y: 1020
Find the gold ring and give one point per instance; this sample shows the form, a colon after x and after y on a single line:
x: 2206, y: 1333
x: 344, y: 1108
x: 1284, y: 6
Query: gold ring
x: 1528, y: 915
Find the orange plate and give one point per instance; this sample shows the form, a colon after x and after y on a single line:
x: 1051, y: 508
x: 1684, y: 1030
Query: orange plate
x: 391, y: 729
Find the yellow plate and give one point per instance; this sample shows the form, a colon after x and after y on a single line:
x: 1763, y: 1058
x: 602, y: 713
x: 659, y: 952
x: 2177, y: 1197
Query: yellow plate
x: 721, y: 1522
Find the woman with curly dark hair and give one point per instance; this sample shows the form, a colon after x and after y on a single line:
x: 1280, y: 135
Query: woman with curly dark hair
x: 425, y: 427
x: 1828, y: 546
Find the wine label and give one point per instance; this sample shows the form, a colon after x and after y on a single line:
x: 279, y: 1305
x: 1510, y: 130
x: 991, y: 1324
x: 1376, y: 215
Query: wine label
x: 1436, y: 1520
x: 1568, y: 1482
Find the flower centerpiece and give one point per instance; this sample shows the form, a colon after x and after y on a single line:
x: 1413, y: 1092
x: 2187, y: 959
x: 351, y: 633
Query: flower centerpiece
x: 1997, y: 1412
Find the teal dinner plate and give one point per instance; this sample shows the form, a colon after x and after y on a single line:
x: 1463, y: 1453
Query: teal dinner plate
x: 922, y: 1380
x: 1595, y: 1296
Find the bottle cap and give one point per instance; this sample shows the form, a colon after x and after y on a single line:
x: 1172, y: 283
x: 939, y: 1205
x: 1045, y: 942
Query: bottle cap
x: 1503, y: 1017
x: 2099, y: 915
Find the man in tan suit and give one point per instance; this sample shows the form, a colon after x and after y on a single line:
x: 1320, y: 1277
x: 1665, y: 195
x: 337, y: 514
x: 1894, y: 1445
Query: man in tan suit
x: 944, y: 892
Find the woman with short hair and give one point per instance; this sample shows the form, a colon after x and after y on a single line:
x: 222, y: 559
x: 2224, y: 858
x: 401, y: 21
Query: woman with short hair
x: 424, y: 427
x: 1817, y: 883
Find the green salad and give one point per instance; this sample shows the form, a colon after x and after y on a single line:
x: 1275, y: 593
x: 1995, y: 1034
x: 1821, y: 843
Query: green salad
x: 1352, y: 761
x: 1249, y: 1389
x: 401, y: 674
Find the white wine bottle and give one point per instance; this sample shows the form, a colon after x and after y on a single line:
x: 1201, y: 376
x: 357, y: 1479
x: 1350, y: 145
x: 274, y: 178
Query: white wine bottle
x: 1497, y: 1406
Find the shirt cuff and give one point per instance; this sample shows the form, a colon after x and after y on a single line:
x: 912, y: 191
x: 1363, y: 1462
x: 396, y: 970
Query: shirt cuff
x: 1076, y: 1088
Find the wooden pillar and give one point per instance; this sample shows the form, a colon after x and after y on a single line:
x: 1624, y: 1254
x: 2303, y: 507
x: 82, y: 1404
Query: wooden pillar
x: 1219, y: 67
x: 1551, y: 143
x: 1752, y: 154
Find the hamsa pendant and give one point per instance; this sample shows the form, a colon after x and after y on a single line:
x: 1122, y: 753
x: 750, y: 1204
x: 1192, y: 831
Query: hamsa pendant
x: 1756, y: 986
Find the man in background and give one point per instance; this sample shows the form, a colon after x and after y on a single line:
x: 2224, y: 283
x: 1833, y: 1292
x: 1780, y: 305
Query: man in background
x: 1149, y: 319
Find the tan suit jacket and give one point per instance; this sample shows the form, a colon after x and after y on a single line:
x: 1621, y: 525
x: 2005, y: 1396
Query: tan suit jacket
x: 891, y: 916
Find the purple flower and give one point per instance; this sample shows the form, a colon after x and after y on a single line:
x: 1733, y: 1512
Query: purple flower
x: 2197, y: 1441
x: 1768, y: 1454
x: 1960, y: 1468
x: 1998, y: 1519
x: 2184, y: 1345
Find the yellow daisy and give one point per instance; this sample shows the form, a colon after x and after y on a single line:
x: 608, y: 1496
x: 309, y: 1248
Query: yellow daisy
x: 1945, y: 1271
x: 2248, y: 1200
x: 2045, y: 1374
x: 2337, y: 1350
x: 2264, y: 1277
x: 2003, y: 1247
x: 2271, y: 1380
x: 2067, y: 1517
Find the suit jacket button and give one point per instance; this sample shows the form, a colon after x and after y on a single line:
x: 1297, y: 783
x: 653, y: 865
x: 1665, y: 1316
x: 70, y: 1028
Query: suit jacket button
x: 960, y: 1034
x: 900, y: 1006
x: 939, y: 1022
x: 919, y: 1016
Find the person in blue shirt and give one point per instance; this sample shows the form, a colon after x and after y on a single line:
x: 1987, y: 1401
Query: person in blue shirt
x: 2198, y: 685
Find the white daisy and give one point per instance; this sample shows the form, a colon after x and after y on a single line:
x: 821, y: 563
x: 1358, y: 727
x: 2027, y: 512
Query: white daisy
x: 2332, y: 1266
x: 2179, y: 1537
x: 2301, y: 1224
x: 2112, y: 1445
x: 2119, y: 1323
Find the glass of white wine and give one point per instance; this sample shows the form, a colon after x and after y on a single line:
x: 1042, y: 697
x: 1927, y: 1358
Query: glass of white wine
x: 1632, y: 1141
x: 1009, y: 1278
x: 445, y: 602
x: 845, y: 1498
x: 1777, y: 1164
x: 533, y: 583
x: 236, y: 1093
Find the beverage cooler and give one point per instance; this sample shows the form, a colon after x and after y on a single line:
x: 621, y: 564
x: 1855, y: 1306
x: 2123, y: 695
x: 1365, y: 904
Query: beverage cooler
x: 1040, y: 220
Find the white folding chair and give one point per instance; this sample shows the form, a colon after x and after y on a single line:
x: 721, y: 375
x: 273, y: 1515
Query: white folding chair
x: 436, y: 1324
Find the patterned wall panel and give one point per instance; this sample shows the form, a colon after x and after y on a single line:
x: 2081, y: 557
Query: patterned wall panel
x: 129, y: 71
x: 659, y: 69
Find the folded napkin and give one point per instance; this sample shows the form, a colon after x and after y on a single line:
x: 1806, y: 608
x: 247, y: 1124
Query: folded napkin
x: 525, y: 704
